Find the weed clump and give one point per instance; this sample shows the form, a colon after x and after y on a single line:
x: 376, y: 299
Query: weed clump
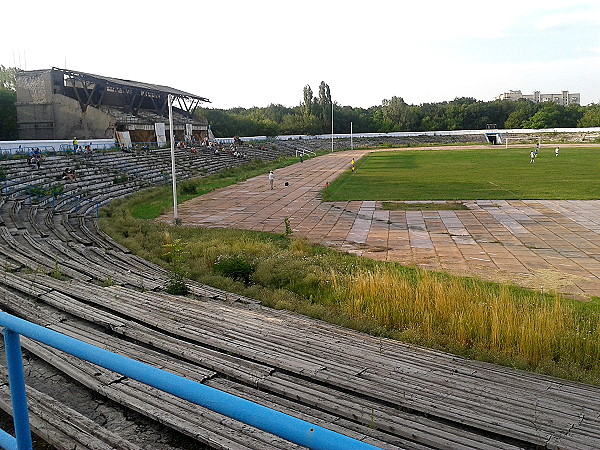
x: 174, y: 253
x: 177, y: 285
x: 234, y: 267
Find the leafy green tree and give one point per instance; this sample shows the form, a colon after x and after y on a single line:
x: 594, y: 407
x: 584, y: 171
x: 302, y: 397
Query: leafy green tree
x: 522, y: 111
x: 590, y: 117
x: 394, y: 114
x: 220, y: 121
x: 299, y: 124
x: 454, y: 113
x: 433, y: 116
x: 548, y: 116
x: 307, y: 104
x: 571, y: 116
x: 292, y: 124
x: 8, y: 77
x: 325, y: 105
x: 362, y: 120
x: 8, y: 115
x: 312, y: 125
x: 497, y: 112
x: 276, y: 112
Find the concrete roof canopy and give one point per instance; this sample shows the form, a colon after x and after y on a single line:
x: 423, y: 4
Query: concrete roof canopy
x: 131, y: 84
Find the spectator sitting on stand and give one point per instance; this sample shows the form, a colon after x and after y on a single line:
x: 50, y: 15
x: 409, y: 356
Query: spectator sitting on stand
x: 69, y: 174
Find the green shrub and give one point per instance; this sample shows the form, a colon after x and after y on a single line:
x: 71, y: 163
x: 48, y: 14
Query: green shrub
x: 57, y: 189
x: 37, y: 191
x: 287, y: 271
x: 187, y: 187
x: 176, y: 285
x: 121, y: 179
x: 234, y: 267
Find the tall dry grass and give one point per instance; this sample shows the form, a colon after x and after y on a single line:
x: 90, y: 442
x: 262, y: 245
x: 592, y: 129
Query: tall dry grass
x: 472, y: 316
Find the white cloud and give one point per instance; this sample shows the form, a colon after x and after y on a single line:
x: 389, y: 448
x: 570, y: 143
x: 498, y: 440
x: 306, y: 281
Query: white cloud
x: 573, y: 19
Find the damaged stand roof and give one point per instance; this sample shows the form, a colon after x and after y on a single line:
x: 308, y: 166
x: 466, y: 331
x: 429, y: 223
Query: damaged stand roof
x: 141, y: 94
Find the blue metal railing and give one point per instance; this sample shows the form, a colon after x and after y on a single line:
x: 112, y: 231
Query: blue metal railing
x: 50, y: 196
x: 70, y: 148
x: 30, y: 191
x: 132, y: 169
x: 287, y: 427
x: 27, y: 149
x: 134, y: 146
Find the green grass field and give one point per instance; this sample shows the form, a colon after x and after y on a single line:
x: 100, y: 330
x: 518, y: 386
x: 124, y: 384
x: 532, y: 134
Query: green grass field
x: 492, y: 174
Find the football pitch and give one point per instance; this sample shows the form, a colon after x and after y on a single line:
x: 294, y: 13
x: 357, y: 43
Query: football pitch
x: 492, y: 174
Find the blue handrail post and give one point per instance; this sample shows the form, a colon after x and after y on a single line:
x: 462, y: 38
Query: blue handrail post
x: 14, y: 364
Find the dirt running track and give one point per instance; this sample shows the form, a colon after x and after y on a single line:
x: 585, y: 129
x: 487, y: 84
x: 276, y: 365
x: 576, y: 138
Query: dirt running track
x: 540, y: 244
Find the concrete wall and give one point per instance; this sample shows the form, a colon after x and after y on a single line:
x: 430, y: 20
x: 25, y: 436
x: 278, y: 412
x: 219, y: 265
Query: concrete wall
x: 34, y: 86
x: 43, y: 113
x: 35, y: 114
x: 70, y: 121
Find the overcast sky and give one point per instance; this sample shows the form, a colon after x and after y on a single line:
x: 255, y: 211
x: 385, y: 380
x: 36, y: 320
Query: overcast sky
x: 253, y: 53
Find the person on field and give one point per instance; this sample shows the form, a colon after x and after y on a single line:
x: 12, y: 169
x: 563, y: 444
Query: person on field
x: 352, y: 164
x: 532, y: 156
x: 271, y: 179
x: 75, y: 144
x: 556, y: 151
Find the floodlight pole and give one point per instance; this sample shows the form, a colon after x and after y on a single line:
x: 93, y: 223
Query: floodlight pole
x: 332, y: 127
x: 172, y: 129
x: 351, y: 141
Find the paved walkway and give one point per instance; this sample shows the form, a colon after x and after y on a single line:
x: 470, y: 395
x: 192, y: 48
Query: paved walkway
x: 540, y: 244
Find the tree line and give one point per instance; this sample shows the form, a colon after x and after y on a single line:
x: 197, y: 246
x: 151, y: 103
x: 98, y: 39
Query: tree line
x: 313, y: 115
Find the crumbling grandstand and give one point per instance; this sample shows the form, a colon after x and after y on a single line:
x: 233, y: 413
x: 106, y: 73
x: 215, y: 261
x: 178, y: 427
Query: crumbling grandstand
x: 62, y: 104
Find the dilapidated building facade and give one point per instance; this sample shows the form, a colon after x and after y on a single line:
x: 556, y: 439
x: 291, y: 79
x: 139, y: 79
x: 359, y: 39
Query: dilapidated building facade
x: 62, y: 104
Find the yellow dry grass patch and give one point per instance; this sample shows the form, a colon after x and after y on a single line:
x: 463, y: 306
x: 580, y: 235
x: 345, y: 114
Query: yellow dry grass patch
x: 470, y: 315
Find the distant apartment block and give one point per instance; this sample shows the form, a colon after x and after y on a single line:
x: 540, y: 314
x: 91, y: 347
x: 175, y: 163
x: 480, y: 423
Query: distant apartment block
x: 564, y: 98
